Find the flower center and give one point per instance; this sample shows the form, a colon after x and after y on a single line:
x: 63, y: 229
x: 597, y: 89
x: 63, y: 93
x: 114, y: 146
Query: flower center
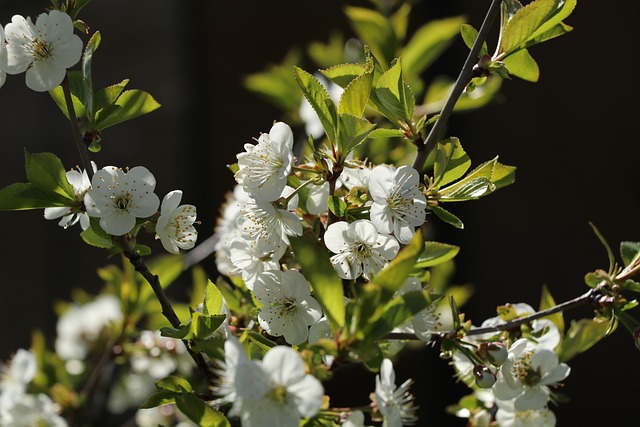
x: 123, y: 201
x: 523, y: 371
x: 286, y: 306
x: 41, y: 50
x: 278, y: 394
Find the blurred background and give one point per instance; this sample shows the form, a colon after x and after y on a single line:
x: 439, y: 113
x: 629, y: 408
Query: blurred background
x: 571, y: 135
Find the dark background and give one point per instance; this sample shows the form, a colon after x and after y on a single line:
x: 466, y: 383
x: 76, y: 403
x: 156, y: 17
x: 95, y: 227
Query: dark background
x: 572, y: 136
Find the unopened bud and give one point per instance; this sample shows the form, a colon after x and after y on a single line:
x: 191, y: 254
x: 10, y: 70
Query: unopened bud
x: 484, y: 377
x: 497, y: 353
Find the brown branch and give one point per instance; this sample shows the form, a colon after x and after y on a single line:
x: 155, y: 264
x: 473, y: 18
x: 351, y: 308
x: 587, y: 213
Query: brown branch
x: 167, y: 309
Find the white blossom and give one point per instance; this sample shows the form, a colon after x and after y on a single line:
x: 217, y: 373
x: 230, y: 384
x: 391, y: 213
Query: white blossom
x: 15, y: 376
x: 355, y: 419
x: 235, y: 359
x: 288, y: 307
x: 357, y: 177
x: 398, y: 204
x: 360, y: 249
x: 317, y: 202
x: 228, y: 227
x: 507, y: 416
x: 81, y: 325
x: 118, y: 198
x: 44, y: 50
x: 527, y: 375
x: 394, y: 403
x: 264, y: 167
x: 70, y: 216
x: 33, y: 410
x: 252, y: 259
x: 424, y: 323
x: 276, y: 391
x: 271, y: 223
x: 175, y: 227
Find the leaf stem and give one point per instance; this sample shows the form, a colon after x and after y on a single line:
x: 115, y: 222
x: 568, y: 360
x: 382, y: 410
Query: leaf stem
x: 463, y: 79
x: 167, y: 310
x: 75, y: 127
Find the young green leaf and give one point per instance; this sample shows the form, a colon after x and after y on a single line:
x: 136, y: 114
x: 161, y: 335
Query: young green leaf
x: 467, y: 189
x: 174, y: 384
x: 375, y: 31
x: 45, y: 171
x: 547, y: 301
x: 581, y: 336
x: 343, y: 74
x: 57, y: 94
x: 399, y: 310
x: 320, y: 100
x: 352, y: 131
x: 469, y: 35
x: 337, y: 206
x: 159, y: 399
x: 22, y: 196
x: 326, y: 285
x: 436, y: 253
x: 87, y: 82
x: 451, y: 162
x: 521, y: 64
x: 276, y: 84
x: 428, y: 43
x: 355, y: 96
x: 212, y: 299
x: 133, y: 103
x: 612, y: 259
x: 200, y: 412
x: 391, y: 278
x: 629, y: 251
x: 393, y: 96
x: 447, y: 216
x: 108, y: 96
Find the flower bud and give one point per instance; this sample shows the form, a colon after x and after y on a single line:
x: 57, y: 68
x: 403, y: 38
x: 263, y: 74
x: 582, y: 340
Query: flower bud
x: 484, y: 377
x: 497, y: 353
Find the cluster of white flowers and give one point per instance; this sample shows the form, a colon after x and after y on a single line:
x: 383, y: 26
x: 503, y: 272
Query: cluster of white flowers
x: 120, y: 198
x: 519, y: 389
x: 44, y: 50
x: 18, y: 407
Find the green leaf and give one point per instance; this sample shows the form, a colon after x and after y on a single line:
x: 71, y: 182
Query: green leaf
x: 212, y: 299
x: 352, y: 131
x: 96, y: 236
x: 375, y: 31
x: 261, y: 341
x: 22, y: 196
x: 440, y: 89
x: 201, y: 413
x: 469, y: 35
x: 355, y: 96
x: 180, y: 333
x: 436, y: 253
x: 612, y: 259
x: 158, y: 399
x: 447, y: 216
x: 547, y: 301
x: 45, y: 171
x: 326, y: 284
x: 428, y: 43
x: 344, y: 74
x: 557, y: 31
x: 391, y: 278
x: 629, y: 251
x: 87, y: 82
x: 108, y: 96
x: 320, y: 100
x: 467, y: 189
x: 386, y: 133
x: 581, y: 336
x: 521, y: 64
x: 133, y: 103
x: 451, y: 162
x: 57, y: 94
x: 276, y: 84
x: 338, y: 206
x: 398, y: 311
x: 393, y: 96
x: 174, y: 384
x: 533, y: 20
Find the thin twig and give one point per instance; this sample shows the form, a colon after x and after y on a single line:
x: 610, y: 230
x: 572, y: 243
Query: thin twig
x: 167, y: 309
x: 75, y: 126
x: 463, y: 79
